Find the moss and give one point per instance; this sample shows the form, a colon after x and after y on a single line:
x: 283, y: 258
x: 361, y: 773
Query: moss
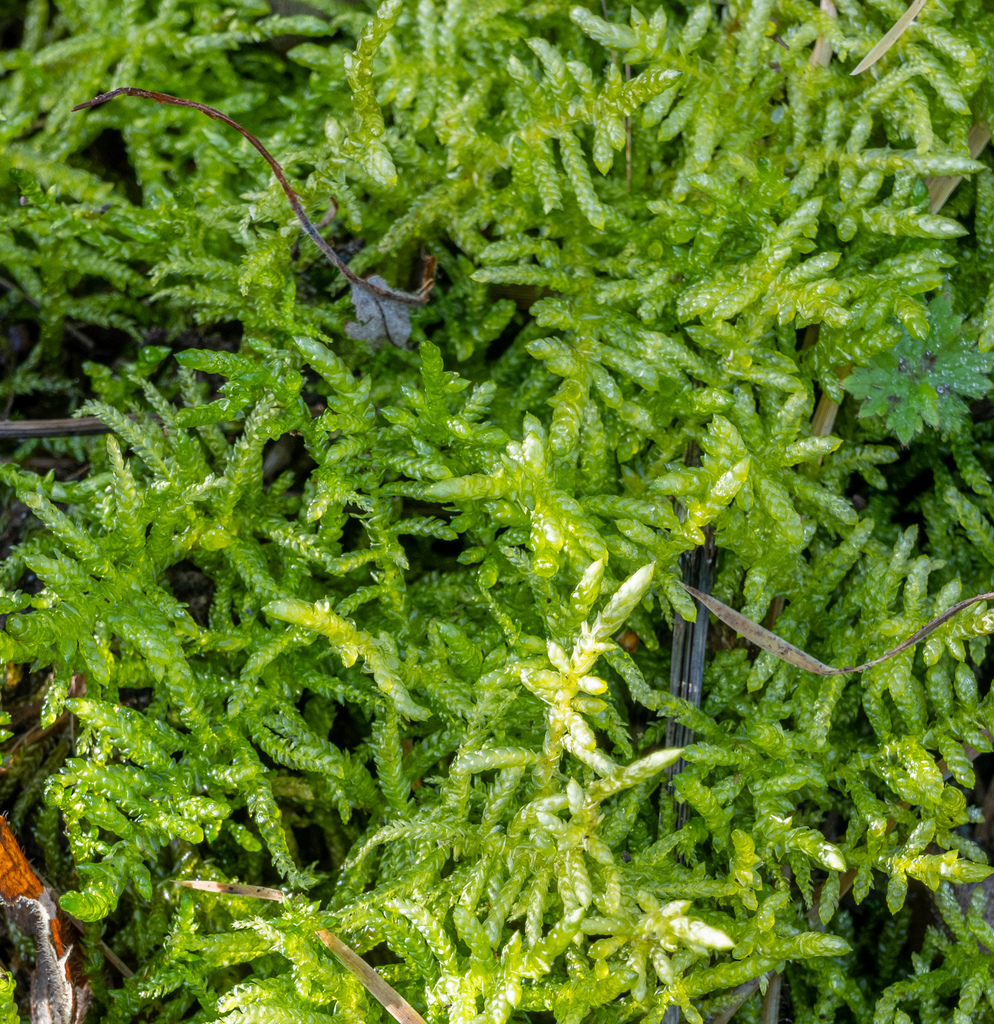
x: 399, y: 692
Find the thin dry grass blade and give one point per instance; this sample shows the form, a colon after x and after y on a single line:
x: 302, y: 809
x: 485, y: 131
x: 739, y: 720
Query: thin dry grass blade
x: 942, y: 187
x: 392, y: 1001
x: 288, y: 190
x: 257, y: 892
x: 760, y: 636
x: 897, y: 30
x: 821, y: 55
x: 779, y: 647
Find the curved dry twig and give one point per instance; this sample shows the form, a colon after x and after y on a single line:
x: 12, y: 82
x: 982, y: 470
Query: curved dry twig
x: 785, y: 651
x: 416, y: 299
x: 941, y: 186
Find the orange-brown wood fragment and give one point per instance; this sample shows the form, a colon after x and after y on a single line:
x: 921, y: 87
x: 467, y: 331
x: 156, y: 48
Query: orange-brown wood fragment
x: 29, y: 904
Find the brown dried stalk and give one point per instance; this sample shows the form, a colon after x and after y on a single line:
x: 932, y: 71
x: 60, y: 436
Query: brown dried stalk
x: 941, y: 187
x: 21, y: 429
x: 770, y: 1013
x: 785, y: 651
x: 294, y: 200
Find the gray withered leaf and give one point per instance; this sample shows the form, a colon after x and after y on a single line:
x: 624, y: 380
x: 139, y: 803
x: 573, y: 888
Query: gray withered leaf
x: 381, y: 318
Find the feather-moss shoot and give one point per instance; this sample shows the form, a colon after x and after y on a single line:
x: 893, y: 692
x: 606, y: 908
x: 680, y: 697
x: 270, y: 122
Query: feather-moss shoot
x: 659, y: 231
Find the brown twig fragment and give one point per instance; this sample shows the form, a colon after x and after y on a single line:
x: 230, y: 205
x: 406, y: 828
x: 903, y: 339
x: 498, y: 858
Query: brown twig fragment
x: 21, y: 429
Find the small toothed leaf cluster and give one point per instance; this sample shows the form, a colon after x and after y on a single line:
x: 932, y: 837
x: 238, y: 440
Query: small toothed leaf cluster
x: 924, y: 380
x: 392, y: 627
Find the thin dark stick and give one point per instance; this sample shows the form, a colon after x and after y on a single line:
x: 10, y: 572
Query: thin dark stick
x: 292, y: 197
x: 687, y: 663
x: 21, y: 429
x: 690, y: 641
x: 11, y: 287
x: 112, y: 957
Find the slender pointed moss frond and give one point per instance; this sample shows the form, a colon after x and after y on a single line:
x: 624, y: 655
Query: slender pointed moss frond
x: 345, y: 620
